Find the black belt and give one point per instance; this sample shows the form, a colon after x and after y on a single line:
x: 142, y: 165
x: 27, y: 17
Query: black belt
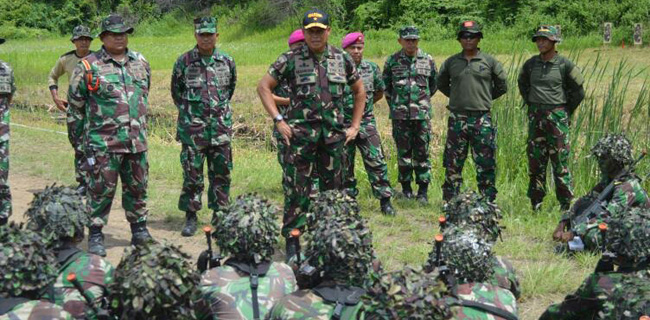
x: 471, y: 113
x: 539, y: 106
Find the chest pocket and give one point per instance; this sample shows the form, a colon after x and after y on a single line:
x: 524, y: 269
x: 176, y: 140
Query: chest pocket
x: 222, y: 75
x: 139, y: 74
x: 336, y: 75
x: 481, y: 69
x: 5, y: 82
x: 110, y: 81
x: 305, y: 77
x: 400, y: 75
x: 368, y: 80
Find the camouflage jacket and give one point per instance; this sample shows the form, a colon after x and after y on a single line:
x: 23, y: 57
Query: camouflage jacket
x: 202, y: 88
x: 410, y: 84
x: 226, y: 292
x: 306, y: 304
x: 372, y: 83
x: 113, y: 98
x: 36, y: 310
x: 7, y: 89
x: 630, y: 297
x: 487, y: 296
x: 316, y: 94
x: 505, y: 276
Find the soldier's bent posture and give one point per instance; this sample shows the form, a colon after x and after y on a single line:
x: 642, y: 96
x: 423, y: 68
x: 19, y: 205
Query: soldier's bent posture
x: 368, y: 140
x: 551, y: 86
x: 110, y: 89
x: 7, y: 89
x: 471, y: 79
x: 203, y: 82
x: 410, y: 79
x: 313, y: 129
x: 81, y: 38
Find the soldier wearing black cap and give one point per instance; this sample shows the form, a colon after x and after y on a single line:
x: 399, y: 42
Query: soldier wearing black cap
x: 478, y: 78
x: 313, y: 127
x: 7, y: 90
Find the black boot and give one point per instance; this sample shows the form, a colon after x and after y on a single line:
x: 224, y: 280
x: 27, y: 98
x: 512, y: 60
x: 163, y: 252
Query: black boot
x: 290, y: 248
x: 139, y: 233
x: 3, y: 221
x: 81, y: 189
x: 422, y: 193
x: 387, y: 207
x: 190, y: 224
x: 407, y: 192
x: 536, y: 205
x: 96, y: 241
x: 565, y: 206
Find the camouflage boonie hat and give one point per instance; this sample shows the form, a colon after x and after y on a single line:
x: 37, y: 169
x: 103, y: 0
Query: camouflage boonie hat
x: 469, y: 27
x: 331, y: 202
x: 548, y: 32
x: 405, y: 294
x: 154, y: 281
x: 58, y: 213
x: 247, y: 228
x: 116, y: 24
x: 80, y: 31
x: 27, y: 265
x: 615, y: 147
x: 409, y: 32
x: 628, y: 235
x: 630, y: 299
x: 470, y: 210
x: 467, y: 255
x: 205, y: 25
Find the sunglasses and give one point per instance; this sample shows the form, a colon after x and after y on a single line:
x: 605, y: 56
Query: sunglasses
x: 468, y: 36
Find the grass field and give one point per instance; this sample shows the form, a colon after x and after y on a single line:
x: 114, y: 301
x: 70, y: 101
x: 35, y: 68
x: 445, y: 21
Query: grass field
x: 617, y: 100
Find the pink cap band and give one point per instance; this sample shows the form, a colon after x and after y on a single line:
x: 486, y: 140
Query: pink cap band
x: 296, y: 36
x: 352, y: 38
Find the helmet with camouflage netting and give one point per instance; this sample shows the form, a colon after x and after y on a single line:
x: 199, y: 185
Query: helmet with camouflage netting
x: 405, y: 294
x: 613, y: 147
x: 154, y: 281
x: 247, y: 229
x: 27, y: 265
x: 331, y: 202
x: 59, y: 214
x: 628, y: 236
x: 470, y: 210
x: 630, y: 299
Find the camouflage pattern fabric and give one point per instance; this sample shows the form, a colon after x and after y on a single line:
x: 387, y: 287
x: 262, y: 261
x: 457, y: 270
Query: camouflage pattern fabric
x: 305, y: 304
x: 628, y: 237
x: 228, y: 291
x: 75, y: 128
x: 505, y: 276
x: 469, y: 210
x: 412, y: 138
x: 548, y: 138
x: 331, y: 203
x: 315, y: 115
x: 7, y: 89
x: 133, y: 170
x: 484, y: 294
x: 630, y: 298
x: 36, y: 310
x: 465, y: 130
x: 219, y: 161
x: 372, y: 83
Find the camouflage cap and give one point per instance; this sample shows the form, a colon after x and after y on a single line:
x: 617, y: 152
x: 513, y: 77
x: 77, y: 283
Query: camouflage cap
x: 331, y: 202
x: 79, y: 32
x: 58, y: 213
x: 27, y: 265
x: 247, y: 228
x: 467, y: 255
x: 630, y: 299
x: 405, y: 294
x: 549, y: 32
x: 613, y: 147
x: 341, y: 247
x: 205, y: 25
x: 409, y: 32
x: 628, y: 235
x: 116, y: 24
x: 470, y: 210
x: 469, y: 27
x: 154, y: 281
x: 315, y: 18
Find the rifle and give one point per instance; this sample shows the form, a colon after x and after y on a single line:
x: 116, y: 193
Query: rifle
x: 207, y: 259
x: 442, y: 222
x: 597, y: 205
x: 101, y: 313
x: 295, y: 233
x: 443, y: 272
x: 606, y: 262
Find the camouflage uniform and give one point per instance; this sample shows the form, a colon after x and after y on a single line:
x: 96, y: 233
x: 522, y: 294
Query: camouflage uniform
x: 7, y: 89
x: 34, y: 310
x: 368, y: 140
x: 202, y: 88
x: 482, y: 294
x: 505, y: 276
x: 630, y: 298
x: 315, y: 115
x: 306, y: 304
x: 552, y: 90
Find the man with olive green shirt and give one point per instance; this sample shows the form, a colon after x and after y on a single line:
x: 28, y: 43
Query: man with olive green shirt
x: 478, y: 79
x: 551, y: 86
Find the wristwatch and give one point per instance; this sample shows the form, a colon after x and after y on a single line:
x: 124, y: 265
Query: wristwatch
x: 278, y: 118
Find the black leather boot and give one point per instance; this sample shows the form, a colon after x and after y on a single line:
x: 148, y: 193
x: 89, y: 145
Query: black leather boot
x: 536, y: 204
x: 96, y: 241
x: 407, y: 192
x: 387, y: 207
x: 3, y: 221
x: 423, y: 198
x: 190, y: 224
x: 139, y: 233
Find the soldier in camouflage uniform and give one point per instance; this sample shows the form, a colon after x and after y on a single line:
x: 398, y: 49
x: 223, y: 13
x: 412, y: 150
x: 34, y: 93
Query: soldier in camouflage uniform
x: 471, y: 79
x: 154, y: 282
x: 28, y: 268
x: 110, y: 89
x: 81, y: 38
x: 7, y: 90
x: 551, y: 86
x: 368, y: 140
x: 313, y: 129
x: 203, y: 82
x: 410, y: 79
x: 60, y: 216
x: 249, y: 283
x: 613, y: 153
x: 340, y: 251
x: 630, y: 299
x: 627, y: 250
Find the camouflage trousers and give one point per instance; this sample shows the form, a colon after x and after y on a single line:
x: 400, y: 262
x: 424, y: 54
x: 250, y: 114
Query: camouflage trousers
x: 372, y: 154
x: 465, y: 130
x: 133, y: 170
x: 219, y: 161
x: 301, y: 159
x: 548, y: 138
x: 75, y: 125
x: 5, y: 192
x: 412, y: 138
x: 282, y: 150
